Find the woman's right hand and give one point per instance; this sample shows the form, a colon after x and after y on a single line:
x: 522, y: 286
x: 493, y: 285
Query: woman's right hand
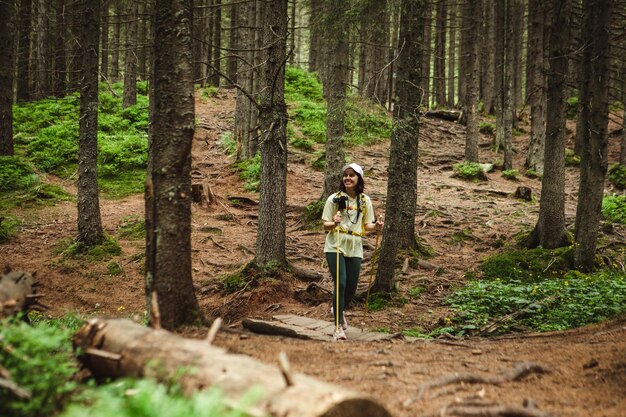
x: 337, y: 218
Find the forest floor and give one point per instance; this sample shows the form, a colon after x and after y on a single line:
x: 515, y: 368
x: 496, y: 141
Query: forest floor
x: 587, y: 366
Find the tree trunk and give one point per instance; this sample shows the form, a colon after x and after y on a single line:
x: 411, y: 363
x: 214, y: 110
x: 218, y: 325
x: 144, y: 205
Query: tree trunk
x: 507, y: 84
x: 142, y: 41
x: 115, y: 41
x: 217, y: 42
x: 43, y: 49
x: 472, y: 15
x: 168, y: 190
x: 499, y: 33
x: 517, y: 39
x: 335, y: 81
x: 399, y: 231
x: 59, y: 73
x: 536, y: 86
x: 440, y: 54
x: 232, y: 42
x: 374, y: 46
x: 121, y: 348
x: 316, y: 34
x: 23, y: 52
x: 7, y: 51
x: 130, y: 62
x: 426, y: 53
x: 90, y: 232
x: 271, y: 232
x: 245, y: 105
x: 76, y: 48
x: 594, y: 158
x: 104, y: 41
x: 550, y: 229
x: 452, y: 11
x: 488, y: 59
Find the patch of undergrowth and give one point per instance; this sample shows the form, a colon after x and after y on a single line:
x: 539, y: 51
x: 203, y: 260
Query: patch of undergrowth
x: 382, y: 300
x: 250, y: 172
x: 20, y: 185
x: 250, y: 276
x: 571, y: 159
x: 487, y: 128
x: 531, y: 173
x: 510, y: 174
x: 535, y: 290
x: 313, y: 214
x: 39, y: 358
x: 614, y: 208
x: 148, y: 398
x: 47, y: 135
x: 365, y: 121
x: 132, y: 227
x: 469, y: 171
x: 8, y: 228
x: 78, y: 250
x: 617, y: 175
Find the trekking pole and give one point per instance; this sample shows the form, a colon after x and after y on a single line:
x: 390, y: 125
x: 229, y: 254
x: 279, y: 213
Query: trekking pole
x: 337, y: 280
x: 369, y: 284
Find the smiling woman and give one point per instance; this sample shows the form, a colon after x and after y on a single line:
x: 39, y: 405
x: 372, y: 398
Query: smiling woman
x: 347, y: 215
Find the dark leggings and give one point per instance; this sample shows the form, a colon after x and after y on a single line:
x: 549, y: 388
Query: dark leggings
x: 349, y: 270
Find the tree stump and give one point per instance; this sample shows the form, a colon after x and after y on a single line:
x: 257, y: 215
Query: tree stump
x: 524, y: 193
x: 119, y: 347
x: 17, y: 292
x: 201, y: 193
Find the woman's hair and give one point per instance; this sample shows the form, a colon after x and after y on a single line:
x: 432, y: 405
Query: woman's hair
x: 360, y: 186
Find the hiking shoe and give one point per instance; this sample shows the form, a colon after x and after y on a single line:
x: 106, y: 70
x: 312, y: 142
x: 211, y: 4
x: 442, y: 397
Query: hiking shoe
x: 340, y: 334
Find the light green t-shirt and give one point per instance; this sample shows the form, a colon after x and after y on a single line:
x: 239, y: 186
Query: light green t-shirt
x: 350, y: 245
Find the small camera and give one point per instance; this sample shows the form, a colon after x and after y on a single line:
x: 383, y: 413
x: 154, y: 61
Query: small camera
x: 341, y: 201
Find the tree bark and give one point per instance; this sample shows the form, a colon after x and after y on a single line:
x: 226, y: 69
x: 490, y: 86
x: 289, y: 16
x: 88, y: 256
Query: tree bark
x: 440, y: 54
x: 488, y: 59
x: 374, y: 21
x: 507, y: 83
x: 424, y: 96
x: 59, y: 73
x: 130, y: 62
x: 217, y: 42
x: 472, y: 17
x: 43, y: 49
x: 7, y: 51
x: 335, y: 82
x: 23, y: 52
x: 121, y: 348
x: 168, y: 188
x: 536, y: 86
x: 90, y: 232
x: 316, y: 34
x: 453, y: 21
x: 115, y: 40
x: 233, y: 41
x: 550, y: 232
x: 399, y: 230
x: 271, y: 231
x: 104, y: 41
x: 594, y: 158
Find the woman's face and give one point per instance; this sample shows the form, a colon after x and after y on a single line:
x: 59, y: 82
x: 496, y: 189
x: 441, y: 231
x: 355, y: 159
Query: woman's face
x: 350, y: 178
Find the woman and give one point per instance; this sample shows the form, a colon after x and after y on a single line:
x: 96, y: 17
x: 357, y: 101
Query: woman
x: 347, y: 215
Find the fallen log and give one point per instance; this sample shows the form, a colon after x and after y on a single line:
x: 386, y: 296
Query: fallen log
x: 119, y: 347
x: 17, y: 292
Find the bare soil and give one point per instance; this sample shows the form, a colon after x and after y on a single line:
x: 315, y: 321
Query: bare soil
x: 587, y: 366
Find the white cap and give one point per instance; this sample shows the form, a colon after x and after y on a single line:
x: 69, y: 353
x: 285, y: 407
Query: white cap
x: 356, y: 167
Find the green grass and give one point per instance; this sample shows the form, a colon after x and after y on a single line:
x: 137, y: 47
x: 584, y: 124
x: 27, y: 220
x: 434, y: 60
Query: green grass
x: 614, y: 208
x: 469, y: 171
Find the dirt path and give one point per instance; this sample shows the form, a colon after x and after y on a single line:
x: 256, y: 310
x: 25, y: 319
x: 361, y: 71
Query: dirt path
x: 587, y: 366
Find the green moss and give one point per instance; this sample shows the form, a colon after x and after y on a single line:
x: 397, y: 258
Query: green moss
x: 510, y: 174
x: 614, y: 208
x: 571, y: 159
x: 617, y: 175
x: 528, y: 265
x: 469, y: 171
x: 16, y: 173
